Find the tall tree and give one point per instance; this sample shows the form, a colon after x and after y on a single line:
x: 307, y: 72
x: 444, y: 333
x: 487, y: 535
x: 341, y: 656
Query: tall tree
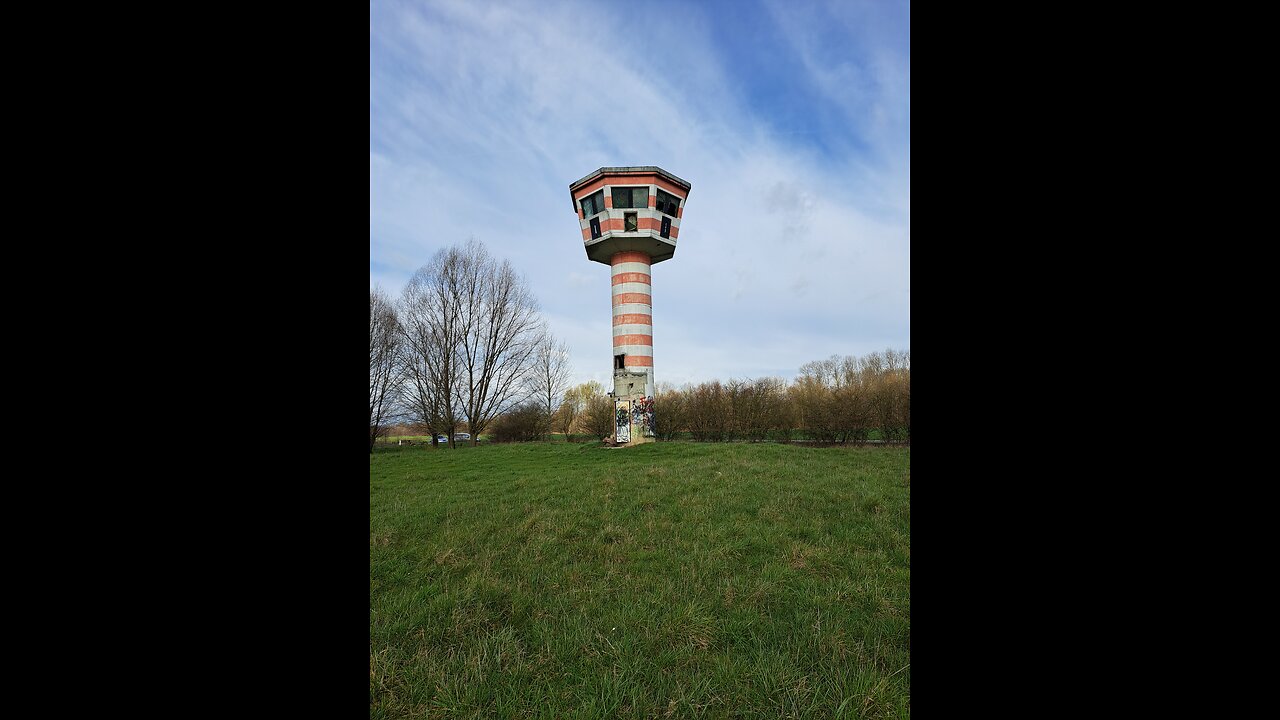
x: 432, y: 325
x: 574, y: 406
x: 384, y: 361
x: 552, y: 374
x: 882, y: 397
x: 498, y: 340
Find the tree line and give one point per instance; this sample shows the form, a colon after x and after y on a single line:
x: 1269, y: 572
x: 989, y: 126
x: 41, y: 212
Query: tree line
x: 463, y: 348
x: 463, y: 345
x: 838, y: 400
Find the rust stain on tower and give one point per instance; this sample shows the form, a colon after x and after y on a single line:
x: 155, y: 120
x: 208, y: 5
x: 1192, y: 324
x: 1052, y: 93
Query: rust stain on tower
x: 630, y: 219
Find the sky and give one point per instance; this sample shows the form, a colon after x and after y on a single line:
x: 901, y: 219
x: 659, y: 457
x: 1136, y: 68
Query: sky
x: 791, y: 120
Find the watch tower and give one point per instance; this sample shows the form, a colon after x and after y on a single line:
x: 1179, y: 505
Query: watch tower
x: 630, y: 219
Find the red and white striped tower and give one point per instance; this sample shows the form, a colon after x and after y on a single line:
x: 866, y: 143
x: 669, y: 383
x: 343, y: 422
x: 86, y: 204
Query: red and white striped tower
x: 633, y: 311
x: 630, y: 219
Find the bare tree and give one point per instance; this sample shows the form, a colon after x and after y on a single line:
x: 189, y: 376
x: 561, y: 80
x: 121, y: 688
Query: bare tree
x: 565, y: 417
x: 384, y: 361
x: 783, y: 417
x: 552, y: 371
x: 893, y: 396
x: 756, y: 407
x: 882, y: 396
x: 709, y: 414
x: 472, y: 333
x: 432, y: 324
x: 576, y: 400
x: 598, y: 417
x: 498, y: 340
x: 671, y: 411
x: 820, y: 407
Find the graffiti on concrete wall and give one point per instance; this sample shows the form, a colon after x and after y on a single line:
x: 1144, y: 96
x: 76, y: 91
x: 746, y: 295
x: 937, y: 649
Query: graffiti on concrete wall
x: 622, y: 419
x: 642, y: 415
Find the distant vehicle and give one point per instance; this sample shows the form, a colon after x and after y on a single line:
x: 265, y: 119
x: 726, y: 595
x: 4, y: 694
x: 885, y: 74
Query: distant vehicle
x: 462, y: 436
x: 442, y: 438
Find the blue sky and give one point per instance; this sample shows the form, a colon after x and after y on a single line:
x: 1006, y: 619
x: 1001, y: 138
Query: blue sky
x: 791, y: 120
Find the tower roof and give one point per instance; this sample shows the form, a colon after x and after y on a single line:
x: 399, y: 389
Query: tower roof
x: 628, y: 170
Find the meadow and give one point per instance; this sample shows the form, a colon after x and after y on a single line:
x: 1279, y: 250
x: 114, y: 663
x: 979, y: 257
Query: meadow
x: 688, y: 580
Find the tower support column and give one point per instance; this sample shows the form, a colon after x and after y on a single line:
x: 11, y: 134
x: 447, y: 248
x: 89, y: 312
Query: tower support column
x: 632, y: 294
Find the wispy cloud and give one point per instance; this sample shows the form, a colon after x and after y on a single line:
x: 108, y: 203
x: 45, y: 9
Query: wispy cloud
x: 481, y: 114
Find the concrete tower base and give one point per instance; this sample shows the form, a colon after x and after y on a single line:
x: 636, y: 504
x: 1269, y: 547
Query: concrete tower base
x: 633, y: 407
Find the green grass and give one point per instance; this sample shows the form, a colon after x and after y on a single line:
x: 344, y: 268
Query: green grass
x: 551, y: 580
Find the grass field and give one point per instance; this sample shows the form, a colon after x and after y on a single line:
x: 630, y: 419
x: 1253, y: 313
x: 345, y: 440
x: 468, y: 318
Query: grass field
x: 551, y: 580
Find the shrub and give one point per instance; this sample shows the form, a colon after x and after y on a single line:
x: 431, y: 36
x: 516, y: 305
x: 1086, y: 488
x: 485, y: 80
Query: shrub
x: 709, y: 411
x: 599, y: 418
x: 670, y: 413
x: 524, y: 423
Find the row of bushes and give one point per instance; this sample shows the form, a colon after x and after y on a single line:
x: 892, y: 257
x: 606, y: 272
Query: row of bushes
x: 768, y: 409
x: 838, y: 400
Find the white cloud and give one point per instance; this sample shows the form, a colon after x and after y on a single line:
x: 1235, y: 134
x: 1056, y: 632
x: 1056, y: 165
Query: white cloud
x: 482, y: 114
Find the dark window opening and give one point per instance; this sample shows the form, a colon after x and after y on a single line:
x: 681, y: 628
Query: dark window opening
x: 631, y: 197
x: 666, y: 227
x: 629, y: 222
x: 668, y: 203
x: 595, y: 228
x: 617, y: 361
x: 593, y: 203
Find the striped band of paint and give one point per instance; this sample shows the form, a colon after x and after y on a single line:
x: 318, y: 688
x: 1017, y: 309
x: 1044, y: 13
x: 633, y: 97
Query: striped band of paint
x: 643, y: 298
x: 631, y: 318
x: 629, y: 256
x: 615, y: 224
x: 631, y: 287
x: 631, y: 290
x: 633, y: 329
x: 639, y: 180
x: 630, y: 277
x: 632, y: 309
x: 620, y: 340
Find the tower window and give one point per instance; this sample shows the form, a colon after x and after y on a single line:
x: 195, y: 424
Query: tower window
x: 618, y: 360
x: 631, y: 197
x: 668, y: 203
x: 629, y: 223
x: 593, y: 203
